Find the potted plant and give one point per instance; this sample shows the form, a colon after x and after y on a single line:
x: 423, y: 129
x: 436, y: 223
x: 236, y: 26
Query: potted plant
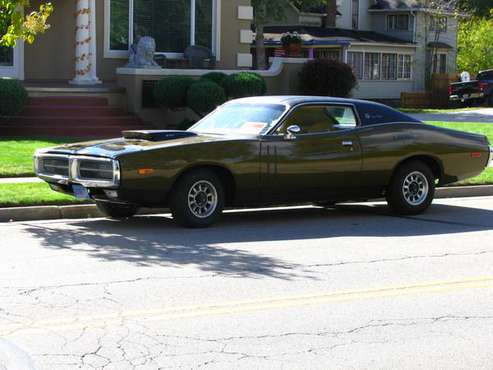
x: 291, y: 42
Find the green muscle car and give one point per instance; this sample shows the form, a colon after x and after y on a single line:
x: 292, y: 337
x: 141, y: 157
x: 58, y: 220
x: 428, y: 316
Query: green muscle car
x: 267, y: 151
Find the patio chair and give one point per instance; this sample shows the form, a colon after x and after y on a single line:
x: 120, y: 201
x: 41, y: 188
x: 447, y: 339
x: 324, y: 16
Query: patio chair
x: 199, y: 57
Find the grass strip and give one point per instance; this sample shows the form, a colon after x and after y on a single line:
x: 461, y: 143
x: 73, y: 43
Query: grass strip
x: 16, y: 155
x: 21, y: 195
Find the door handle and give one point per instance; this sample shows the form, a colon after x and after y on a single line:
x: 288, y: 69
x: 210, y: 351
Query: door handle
x: 347, y: 143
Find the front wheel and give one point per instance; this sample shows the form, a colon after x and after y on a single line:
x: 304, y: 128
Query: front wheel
x: 116, y: 210
x: 197, y: 199
x: 412, y: 189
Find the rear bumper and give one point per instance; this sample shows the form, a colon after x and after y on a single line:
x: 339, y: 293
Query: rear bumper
x: 465, y: 97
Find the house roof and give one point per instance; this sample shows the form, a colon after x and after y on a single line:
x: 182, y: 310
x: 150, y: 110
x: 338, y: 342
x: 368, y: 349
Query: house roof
x: 439, y: 45
x: 321, y: 35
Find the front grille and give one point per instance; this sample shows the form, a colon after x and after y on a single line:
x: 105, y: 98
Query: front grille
x: 54, y: 166
x: 95, y: 170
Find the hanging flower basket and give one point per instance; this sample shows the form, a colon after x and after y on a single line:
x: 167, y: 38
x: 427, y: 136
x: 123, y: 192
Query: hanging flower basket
x: 291, y: 43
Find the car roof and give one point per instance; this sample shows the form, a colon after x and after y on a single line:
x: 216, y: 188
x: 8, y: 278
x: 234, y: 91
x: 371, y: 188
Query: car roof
x: 298, y: 99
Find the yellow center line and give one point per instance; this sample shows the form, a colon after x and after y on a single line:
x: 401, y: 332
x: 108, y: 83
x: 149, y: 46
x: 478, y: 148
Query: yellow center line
x: 235, y: 307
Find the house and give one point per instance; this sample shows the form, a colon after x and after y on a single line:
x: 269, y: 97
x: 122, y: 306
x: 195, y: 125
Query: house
x: 392, y: 46
x: 90, y: 39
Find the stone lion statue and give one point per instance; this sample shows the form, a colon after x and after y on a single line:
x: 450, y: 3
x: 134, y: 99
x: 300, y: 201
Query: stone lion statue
x: 142, y: 54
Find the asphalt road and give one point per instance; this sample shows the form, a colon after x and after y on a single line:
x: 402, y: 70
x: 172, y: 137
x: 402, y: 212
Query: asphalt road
x: 483, y: 115
x: 288, y: 288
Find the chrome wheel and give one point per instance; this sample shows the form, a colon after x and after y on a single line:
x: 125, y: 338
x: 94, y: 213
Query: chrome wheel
x: 415, y: 188
x: 202, y: 199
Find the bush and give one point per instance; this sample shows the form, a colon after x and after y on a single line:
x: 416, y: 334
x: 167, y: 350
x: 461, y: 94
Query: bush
x: 171, y: 92
x: 217, y: 77
x: 244, y: 84
x: 204, y: 96
x: 327, y: 77
x: 13, y: 97
x: 185, y: 124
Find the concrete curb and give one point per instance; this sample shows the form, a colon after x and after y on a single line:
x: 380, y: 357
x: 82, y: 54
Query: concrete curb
x: 90, y: 211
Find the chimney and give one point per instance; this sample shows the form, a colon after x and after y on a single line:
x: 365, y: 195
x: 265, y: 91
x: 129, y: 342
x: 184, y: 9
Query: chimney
x: 330, y: 21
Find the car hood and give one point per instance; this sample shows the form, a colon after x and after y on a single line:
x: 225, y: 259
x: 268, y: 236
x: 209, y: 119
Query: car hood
x: 115, y: 148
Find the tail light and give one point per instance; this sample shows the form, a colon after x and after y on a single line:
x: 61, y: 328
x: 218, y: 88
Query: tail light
x: 450, y: 90
x: 482, y: 86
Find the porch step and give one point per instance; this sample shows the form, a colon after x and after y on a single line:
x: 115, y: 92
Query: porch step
x: 79, y: 121
x: 67, y: 110
x: 79, y: 101
x: 70, y: 116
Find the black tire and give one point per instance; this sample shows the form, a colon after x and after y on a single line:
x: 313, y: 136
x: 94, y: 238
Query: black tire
x: 197, y: 199
x: 116, y: 210
x: 411, y: 189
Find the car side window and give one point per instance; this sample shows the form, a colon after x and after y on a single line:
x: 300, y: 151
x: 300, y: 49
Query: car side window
x: 320, y: 118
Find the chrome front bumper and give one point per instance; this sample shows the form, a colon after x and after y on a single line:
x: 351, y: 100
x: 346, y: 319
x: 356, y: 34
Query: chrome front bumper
x: 72, y: 172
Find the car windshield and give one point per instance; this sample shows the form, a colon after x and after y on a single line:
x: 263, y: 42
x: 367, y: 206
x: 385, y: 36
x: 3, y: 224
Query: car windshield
x: 240, y: 118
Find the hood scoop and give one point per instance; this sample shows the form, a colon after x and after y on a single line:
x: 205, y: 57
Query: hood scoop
x: 156, y: 135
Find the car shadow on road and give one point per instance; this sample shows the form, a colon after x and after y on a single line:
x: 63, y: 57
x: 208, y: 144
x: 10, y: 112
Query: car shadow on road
x: 156, y: 240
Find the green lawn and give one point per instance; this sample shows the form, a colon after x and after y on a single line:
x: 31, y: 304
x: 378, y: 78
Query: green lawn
x: 16, y: 195
x: 438, y: 111
x: 478, y: 128
x: 16, y: 155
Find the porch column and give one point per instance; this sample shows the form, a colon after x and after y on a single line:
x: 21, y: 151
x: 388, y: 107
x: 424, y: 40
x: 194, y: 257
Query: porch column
x: 85, y: 43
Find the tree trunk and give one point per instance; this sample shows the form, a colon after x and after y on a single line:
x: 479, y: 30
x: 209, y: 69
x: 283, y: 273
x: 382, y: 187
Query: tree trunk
x: 330, y: 21
x: 260, y: 47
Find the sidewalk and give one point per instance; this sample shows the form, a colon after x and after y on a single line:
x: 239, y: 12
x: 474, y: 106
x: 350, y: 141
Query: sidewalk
x: 19, y: 180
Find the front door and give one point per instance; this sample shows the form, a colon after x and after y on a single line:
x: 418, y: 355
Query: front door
x: 12, y: 61
x: 322, y: 162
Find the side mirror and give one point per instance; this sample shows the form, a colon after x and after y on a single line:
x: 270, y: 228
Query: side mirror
x: 293, y: 130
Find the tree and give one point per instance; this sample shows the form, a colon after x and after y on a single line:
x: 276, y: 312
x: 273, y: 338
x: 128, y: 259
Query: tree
x: 15, y: 25
x: 269, y: 10
x: 475, y: 45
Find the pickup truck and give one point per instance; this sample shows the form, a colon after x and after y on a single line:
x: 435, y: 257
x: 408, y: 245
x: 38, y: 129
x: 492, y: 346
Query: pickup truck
x: 477, y: 91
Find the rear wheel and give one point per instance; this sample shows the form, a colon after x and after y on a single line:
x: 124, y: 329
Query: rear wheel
x: 412, y: 189
x: 116, y: 210
x: 197, y: 199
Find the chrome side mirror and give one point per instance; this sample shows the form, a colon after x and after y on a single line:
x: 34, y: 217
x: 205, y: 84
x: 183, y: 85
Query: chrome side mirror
x: 293, y: 130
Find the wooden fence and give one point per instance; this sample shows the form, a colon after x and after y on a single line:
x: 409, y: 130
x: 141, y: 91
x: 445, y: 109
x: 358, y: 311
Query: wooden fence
x: 436, y: 97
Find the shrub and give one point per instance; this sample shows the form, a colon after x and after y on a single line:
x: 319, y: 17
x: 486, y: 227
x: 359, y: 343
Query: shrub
x: 217, y: 77
x: 327, y: 77
x: 13, y: 97
x: 185, y: 124
x: 244, y: 84
x: 204, y: 96
x: 171, y: 92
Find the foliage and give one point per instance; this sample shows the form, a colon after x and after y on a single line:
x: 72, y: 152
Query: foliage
x: 327, y: 77
x: 244, y: 84
x: 290, y: 38
x: 216, y: 77
x: 13, y: 97
x: 204, y: 96
x: 171, y: 92
x: 14, y: 24
x: 475, y: 45
x: 478, y: 8
x: 185, y: 124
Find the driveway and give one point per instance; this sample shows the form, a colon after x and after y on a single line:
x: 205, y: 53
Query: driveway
x: 289, y: 288
x: 477, y: 115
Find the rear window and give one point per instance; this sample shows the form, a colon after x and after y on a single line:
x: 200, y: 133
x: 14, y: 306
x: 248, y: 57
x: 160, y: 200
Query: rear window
x: 372, y: 114
x: 485, y: 75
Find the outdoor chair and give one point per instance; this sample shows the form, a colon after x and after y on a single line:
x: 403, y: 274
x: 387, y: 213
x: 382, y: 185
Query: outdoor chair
x: 199, y: 57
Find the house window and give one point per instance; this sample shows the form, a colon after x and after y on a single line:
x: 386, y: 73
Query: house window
x: 355, y: 14
x: 438, y: 24
x: 6, y: 56
x: 404, y: 67
x: 398, y: 22
x: 440, y: 63
x: 372, y: 66
x: 355, y: 60
x: 389, y: 66
x: 174, y: 24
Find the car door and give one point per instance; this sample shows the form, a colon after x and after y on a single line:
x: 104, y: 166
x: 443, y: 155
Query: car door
x: 322, y: 161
